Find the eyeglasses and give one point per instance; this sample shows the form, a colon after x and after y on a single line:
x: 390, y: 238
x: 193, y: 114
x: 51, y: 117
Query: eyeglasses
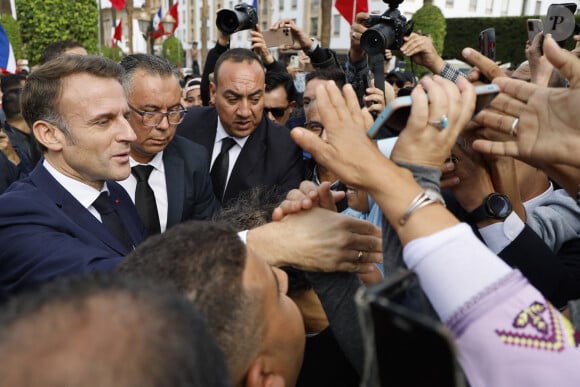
x: 174, y: 117
x: 276, y: 112
x: 314, y: 126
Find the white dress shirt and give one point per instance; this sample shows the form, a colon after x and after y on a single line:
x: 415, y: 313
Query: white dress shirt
x: 82, y: 192
x: 156, y: 182
x: 234, y: 151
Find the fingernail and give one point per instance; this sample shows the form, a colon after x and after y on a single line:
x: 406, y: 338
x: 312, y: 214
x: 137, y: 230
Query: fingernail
x: 449, y: 166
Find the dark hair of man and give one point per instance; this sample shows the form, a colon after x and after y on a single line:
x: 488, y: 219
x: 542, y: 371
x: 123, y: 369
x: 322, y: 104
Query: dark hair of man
x: 206, y: 261
x: 254, y: 208
x: 106, y: 330
x: 328, y: 74
x: 11, y: 103
x: 150, y: 64
x: 11, y: 81
x: 40, y: 99
x: 236, y: 55
x: 276, y: 79
x: 56, y: 49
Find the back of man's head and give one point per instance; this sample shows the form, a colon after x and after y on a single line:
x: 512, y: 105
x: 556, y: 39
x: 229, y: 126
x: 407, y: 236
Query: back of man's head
x: 11, y: 103
x: 56, y: 49
x: 328, y: 74
x: 12, y: 81
x: 206, y: 261
x: 106, y: 331
x: 150, y: 64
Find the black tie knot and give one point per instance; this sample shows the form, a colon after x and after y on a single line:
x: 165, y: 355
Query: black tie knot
x: 142, y: 172
x: 102, y: 204
x: 227, y: 144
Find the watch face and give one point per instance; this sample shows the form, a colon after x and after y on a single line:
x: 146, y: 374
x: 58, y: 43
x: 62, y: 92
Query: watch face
x: 499, y: 205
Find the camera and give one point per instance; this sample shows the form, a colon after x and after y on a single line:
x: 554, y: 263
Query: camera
x: 385, y: 31
x: 242, y: 17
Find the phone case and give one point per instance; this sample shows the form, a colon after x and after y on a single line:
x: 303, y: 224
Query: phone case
x: 278, y: 38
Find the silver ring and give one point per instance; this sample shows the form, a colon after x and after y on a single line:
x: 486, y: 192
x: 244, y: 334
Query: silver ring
x: 442, y: 124
x: 513, y: 131
x: 360, y: 256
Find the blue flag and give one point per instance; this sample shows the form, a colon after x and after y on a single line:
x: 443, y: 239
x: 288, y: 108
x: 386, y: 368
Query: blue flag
x: 7, y: 60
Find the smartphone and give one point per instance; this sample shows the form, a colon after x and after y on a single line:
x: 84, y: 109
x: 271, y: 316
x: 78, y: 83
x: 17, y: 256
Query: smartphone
x: 487, y: 43
x: 560, y: 21
x: 278, y: 38
x: 400, y: 336
x: 534, y: 28
x: 396, y: 113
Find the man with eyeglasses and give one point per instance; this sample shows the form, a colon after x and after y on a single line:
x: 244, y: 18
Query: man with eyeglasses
x: 169, y: 180
x: 280, y: 97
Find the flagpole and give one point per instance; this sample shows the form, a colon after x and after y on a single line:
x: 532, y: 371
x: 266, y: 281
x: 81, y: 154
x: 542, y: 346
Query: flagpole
x: 353, y: 11
x: 101, y: 37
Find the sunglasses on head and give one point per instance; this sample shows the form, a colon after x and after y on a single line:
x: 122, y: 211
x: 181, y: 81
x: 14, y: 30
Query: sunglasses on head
x: 276, y: 112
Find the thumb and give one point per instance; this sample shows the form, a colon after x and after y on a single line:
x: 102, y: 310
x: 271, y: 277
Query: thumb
x: 563, y: 60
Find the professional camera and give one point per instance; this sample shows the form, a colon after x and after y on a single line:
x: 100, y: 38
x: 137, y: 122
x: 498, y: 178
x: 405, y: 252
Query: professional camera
x: 242, y: 17
x: 385, y: 31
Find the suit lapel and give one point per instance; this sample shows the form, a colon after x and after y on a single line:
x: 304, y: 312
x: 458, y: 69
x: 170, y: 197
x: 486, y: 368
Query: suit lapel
x: 74, y: 210
x: 174, y: 172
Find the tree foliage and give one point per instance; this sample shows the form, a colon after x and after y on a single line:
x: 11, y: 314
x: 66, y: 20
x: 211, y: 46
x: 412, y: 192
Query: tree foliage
x: 13, y: 31
x: 173, y: 51
x: 113, y: 53
x: 429, y: 20
x: 46, y: 21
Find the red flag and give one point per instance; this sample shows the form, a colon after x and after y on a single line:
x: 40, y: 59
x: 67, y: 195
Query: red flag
x: 173, y: 12
x: 118, y: 4
x: 118, y: 32
x: 350, y: 8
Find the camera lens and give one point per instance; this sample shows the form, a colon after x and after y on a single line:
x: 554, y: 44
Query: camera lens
x: 377, y: 38
x: 227, y: 21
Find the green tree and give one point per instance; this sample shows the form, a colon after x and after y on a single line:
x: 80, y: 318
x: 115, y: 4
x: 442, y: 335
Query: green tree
x: 13, y: 31
x: 429, y: 20
x: 173, y: 51
x: 113, y: 53
x: 46, y: 21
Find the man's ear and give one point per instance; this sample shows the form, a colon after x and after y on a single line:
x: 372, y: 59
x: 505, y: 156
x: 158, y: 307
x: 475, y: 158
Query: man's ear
x: 212, y: 90
x: 292, y: 106
x: 48, y: 135
x: 258, y: 377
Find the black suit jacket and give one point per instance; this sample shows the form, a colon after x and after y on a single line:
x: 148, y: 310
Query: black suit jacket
x: 189, y: 190
x: 269, y: 158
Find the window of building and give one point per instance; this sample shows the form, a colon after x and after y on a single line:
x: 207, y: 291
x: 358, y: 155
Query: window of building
x: 294, y: 4
x: 281, y: 7
x: 449, y: 3
x: 314, y: 26
x: 472, y: 5
x: 505, y: 6
x: 488, y: 6
x: 336, y: 25
x: 538, y: 7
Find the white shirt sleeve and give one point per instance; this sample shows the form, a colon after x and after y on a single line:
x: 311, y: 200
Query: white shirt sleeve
x: 453, y: 266
x: 498, y: 236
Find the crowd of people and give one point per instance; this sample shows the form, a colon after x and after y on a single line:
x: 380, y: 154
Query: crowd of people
x: 215, y: 231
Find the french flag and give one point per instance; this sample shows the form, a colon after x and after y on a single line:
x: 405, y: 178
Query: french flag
x: 7, y: 60
x: 157, y: 24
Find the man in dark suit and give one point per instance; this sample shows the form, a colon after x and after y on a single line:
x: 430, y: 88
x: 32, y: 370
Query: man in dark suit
x: 261, y: 152
x: 179, y: 177
x: 68, y: 216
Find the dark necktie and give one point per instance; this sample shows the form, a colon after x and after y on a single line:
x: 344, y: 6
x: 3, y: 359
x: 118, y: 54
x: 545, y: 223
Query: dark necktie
x: 111, y: 220
x: 145, y: 199
x: 219, y: 170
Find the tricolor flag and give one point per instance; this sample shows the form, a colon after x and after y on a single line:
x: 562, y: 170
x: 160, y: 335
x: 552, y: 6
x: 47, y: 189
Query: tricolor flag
x: 349, y: 8
x: 173, y: 11
x: 7, y: 60
x: 118, y: 4
x: 255, y: 4
x: 157, y: 24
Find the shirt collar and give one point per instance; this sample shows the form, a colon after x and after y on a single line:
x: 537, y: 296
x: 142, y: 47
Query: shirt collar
x: 156, y: 162
x: 221, y: 134
x: 84, y: 193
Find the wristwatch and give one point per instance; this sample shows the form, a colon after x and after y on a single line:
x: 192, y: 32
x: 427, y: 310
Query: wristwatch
x: 495, y: 206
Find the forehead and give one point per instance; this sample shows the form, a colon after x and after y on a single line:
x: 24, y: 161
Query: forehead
x: 241, y: 75
x: 311, y: 87
x: 277, y: 95
x: 147, y: 87
x: 84, y: 92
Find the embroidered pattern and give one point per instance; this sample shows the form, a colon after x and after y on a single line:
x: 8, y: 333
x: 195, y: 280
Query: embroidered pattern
x: 548, y: 332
